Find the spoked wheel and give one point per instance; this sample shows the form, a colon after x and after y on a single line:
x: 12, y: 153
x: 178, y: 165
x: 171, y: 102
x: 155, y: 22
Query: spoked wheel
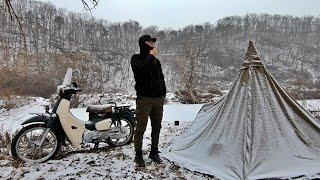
x: 125, y: 133
x: 35, y: 143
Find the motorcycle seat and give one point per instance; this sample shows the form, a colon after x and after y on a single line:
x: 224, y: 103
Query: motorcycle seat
x: 100, y: 109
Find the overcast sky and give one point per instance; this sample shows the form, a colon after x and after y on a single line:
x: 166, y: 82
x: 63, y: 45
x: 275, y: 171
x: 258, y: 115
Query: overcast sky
x: 179, y: 13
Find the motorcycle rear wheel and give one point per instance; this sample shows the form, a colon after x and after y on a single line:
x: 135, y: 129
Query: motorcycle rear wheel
x: 124, y: 125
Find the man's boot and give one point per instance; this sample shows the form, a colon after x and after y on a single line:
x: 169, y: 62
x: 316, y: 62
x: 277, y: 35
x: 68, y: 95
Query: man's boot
x: 139, y: 159
x: 154, y: 155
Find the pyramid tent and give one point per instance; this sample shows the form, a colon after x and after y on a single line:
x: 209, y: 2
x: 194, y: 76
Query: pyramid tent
x: 255, y: 131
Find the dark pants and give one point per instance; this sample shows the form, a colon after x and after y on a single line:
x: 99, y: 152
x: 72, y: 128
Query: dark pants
x: 152, y: 107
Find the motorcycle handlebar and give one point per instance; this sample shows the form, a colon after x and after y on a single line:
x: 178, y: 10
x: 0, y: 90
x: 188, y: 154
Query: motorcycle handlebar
x: 75, y: 90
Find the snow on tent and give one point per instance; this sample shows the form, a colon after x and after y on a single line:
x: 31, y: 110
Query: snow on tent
x: 257, y: 130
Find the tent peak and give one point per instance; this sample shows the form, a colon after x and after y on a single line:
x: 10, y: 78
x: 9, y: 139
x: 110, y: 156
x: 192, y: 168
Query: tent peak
x: 252, y: 52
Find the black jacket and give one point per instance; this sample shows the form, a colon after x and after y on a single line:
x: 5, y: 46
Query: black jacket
x: 148, y: 74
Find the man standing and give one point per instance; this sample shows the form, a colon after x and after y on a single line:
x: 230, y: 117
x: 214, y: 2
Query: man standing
x: 151, y: 91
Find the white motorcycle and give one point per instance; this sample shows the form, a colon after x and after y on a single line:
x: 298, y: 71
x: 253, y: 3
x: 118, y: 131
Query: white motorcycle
x: 42, y: 136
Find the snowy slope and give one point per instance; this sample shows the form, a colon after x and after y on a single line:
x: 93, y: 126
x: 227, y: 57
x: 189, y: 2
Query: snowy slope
x: 11, y: 120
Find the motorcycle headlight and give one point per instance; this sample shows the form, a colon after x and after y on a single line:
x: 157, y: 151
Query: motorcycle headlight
x: 60, y: 90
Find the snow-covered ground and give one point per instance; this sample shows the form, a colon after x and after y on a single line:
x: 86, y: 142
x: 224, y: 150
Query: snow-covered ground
x: 105, y: 163
x: 311, y: 104
x: 171, y: 112
x: 10, y: 121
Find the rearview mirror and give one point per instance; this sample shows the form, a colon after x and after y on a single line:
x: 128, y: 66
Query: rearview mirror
x: 76, y: 72
x: 75, y: 84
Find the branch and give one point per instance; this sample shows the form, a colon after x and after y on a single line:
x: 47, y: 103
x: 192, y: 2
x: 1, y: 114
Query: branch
x: 13, y: 15
x: 88, y: 6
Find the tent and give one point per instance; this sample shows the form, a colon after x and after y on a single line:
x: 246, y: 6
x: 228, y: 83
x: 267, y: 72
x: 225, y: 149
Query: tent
x: 257, y: 130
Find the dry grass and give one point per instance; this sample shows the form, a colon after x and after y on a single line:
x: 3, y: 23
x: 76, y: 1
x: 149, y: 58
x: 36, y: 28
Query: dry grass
x: 5, y: 148
x: 8, y: 106
x: 6, y: 103
x: 5, y: 144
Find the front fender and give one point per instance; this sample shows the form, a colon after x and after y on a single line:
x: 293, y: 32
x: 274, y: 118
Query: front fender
x: 39, y: 119
x: 44, y: 119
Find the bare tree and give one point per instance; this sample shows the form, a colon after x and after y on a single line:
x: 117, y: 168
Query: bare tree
x: 194, y: 45
x: 87, y: 4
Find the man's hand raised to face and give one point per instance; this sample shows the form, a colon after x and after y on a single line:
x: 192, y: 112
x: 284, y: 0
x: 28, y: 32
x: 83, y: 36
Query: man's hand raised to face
x: 152, y: 44
x: 154, y: 52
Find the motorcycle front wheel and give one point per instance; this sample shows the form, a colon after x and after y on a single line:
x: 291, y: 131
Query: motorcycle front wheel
x: 126, y: 131
x: 26, y: 144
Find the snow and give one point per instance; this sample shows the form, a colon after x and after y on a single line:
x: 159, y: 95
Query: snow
x: 181, y: 112
x: 11, y: 120
x: 171, y: 112
x: 311, y: 104
x: 104, y: 163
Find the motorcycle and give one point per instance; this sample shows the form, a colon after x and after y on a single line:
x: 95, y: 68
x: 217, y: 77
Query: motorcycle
x: 42, y: 136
